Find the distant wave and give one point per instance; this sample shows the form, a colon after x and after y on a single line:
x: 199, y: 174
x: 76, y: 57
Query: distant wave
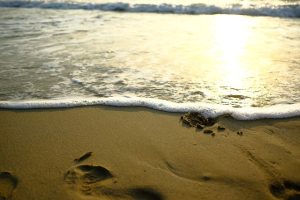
x: 290, y: 10
x: 209, y: 110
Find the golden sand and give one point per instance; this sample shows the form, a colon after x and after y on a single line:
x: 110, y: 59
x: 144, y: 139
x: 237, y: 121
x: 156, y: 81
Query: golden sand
x: 142, y: 154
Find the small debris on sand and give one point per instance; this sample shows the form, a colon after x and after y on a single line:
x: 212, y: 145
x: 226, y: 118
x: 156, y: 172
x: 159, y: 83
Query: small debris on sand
x: 240, y: 133
x: 207, y: 131
x: 221, y: 128
x: 83, y: 157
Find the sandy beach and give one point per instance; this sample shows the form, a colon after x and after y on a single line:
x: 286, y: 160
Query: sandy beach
x: 142, y: 154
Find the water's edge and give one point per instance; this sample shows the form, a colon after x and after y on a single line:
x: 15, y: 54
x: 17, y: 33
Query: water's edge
x: 251, y: 113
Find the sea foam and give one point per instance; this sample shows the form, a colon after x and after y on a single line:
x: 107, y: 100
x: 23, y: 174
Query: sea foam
x: 286, y: 10
x: 209, y: 110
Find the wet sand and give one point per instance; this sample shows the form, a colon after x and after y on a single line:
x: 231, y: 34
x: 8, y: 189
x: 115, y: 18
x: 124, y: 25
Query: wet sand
x: 142, y: 154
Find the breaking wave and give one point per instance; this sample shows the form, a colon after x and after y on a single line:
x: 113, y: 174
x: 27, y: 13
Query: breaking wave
x: 289, y: 10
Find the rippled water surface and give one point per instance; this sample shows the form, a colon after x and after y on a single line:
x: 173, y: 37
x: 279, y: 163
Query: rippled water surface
x: 235, y: 60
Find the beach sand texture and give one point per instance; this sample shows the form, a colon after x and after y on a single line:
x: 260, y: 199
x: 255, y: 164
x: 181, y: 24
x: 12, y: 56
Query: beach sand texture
x: 141, y: 154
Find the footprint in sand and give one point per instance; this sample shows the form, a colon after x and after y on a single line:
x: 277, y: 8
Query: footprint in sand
x: 97, y: 181
x: 92, y: 174
x: 287, y: 190
x: 83, y: 177
x: 8, y: 183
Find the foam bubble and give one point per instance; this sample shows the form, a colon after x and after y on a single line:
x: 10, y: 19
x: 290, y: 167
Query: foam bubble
x: 209, y: 110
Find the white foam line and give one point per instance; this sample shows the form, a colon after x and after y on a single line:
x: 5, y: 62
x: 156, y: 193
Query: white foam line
x: 209, y: 110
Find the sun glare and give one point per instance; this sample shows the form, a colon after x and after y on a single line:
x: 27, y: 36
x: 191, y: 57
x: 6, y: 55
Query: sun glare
x: 231, y: 37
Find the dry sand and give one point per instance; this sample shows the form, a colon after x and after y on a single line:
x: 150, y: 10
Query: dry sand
x: 142, y: 154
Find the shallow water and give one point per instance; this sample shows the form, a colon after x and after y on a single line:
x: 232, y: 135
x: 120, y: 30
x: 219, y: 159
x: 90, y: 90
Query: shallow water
x: 222, y: 59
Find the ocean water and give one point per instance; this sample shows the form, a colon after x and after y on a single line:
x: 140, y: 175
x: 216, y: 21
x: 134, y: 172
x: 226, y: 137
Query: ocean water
x: 237, y: 57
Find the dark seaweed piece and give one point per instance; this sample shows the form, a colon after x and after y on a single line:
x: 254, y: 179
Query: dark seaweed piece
x: 210, y: 121
x: 199, y: 126
x: 194, y: 119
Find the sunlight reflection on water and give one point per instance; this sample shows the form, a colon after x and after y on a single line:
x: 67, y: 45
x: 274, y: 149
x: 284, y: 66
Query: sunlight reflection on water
x: 220, y: 59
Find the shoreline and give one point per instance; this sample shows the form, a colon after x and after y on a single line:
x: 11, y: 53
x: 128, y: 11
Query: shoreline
x: 277, y: 111
x: 141, y: 153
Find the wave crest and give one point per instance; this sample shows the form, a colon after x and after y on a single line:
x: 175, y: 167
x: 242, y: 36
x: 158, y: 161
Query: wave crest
x: 290, y: 10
